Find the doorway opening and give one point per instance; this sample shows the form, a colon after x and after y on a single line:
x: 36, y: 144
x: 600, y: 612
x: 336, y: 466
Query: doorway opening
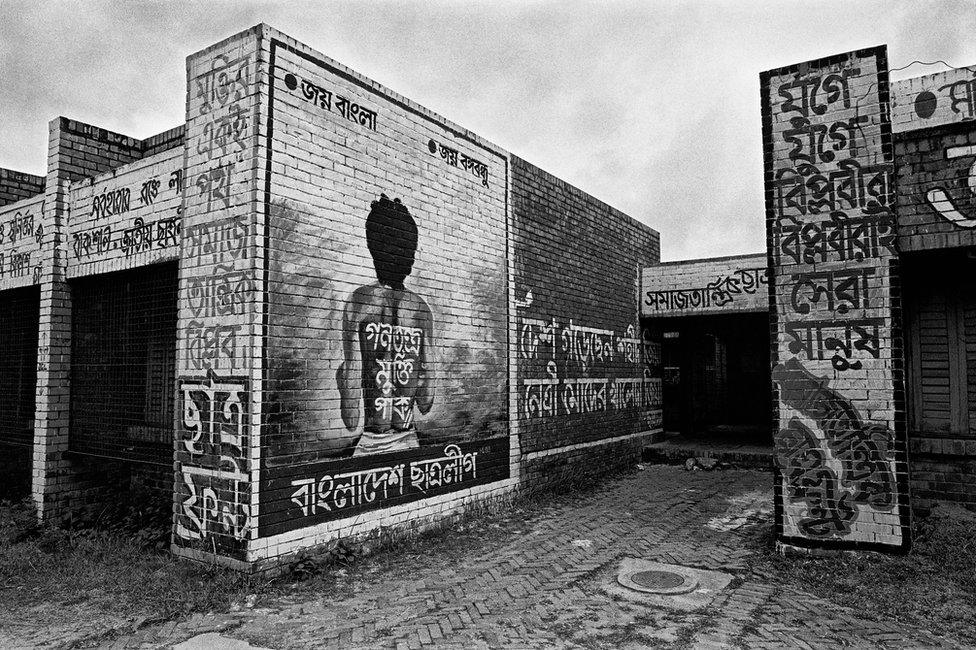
x: 716, y: 383
x: 19, y: 318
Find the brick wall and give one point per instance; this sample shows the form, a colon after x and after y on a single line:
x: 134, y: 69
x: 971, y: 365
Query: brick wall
x: 387, y: 308
x: 21, y: 231
x: 933, y: 100
x: 348, y: 308
x: 219, y: 327
x: 127, y: 217
x: 16, y: 186
x: 935, y: 155
x: 837, y: 354
x: 936, y: 200
x: 720, y: 285
x: 18, y: 366
x: 588, y: 376
x: 75, y: 151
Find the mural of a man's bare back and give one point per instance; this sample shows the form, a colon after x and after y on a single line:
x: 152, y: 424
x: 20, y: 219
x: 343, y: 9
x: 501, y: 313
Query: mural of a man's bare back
x: 387, y: 339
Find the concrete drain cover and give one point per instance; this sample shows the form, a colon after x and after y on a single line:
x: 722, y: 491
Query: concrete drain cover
x: 658, y: 582
x: 667, y: 585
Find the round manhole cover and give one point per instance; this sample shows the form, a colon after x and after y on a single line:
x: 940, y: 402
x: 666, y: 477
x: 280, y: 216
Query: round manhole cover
x: 658, y: 579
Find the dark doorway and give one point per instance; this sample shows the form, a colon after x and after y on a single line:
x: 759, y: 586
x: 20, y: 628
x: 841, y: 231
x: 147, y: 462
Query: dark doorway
x: 19, y: 316
x: 123, y: 380
x: 716, y: 377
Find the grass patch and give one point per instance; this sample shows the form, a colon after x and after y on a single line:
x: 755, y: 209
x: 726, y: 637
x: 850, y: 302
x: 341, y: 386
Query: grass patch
x: 106, y: 566
x: 932, y: 588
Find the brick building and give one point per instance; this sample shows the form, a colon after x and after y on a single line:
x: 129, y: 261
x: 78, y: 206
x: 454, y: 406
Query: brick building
x: 318, y: 309
x: 315, y: 310
x: 861, y: 311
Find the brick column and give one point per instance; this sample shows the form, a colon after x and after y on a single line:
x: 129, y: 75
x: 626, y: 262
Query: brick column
x: 836, y: 351
x: 75, y: 151
x: 50, y: 469
x: 221, y: 305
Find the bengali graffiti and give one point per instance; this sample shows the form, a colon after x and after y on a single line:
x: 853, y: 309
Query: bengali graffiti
x: 110, y: 202
x: 214, y: 503
x: 225, y: 81
x: 149, y: 191
x: 332, y: 102
x: 213, y: 347
x: 218, y: 242
x: 803, y: 93
x: 832, y: 239
x: 808, y: 139
x: 580, y: 350
x: 176, y: 181
x: 21, y: 225
x: 718, y: 293
x: 863, y: 450
x: 214, y: 415
x: 454, y: 466
x: 838, y: 238
x: 962, y: 96
x: 224, y: 292
x: 552, y: 396
x: 227, y: 133
x: 456, y: 159
x: 347, y: 490
x: 91, y: 242
x: 841, y: 291
x: 843, y: 338
x: 807, y: 190
x: 809, y: 481
x: 17, y: 264
x: 328, y: 490
x: 140, y: 237
x: 213, y: 463
x: 582, y: 345
x: 214, y: 185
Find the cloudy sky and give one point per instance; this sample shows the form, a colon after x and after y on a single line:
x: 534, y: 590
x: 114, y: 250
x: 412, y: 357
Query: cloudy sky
x: 652, y: 107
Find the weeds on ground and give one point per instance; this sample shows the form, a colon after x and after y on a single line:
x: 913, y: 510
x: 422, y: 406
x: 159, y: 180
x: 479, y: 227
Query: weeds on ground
x: 933, y: 587
x: 111, y: 562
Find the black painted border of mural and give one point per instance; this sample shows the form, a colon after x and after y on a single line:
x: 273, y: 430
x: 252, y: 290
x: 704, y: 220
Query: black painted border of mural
x: 492, y: 465
x: 264, y: 421
x: 894, y: 292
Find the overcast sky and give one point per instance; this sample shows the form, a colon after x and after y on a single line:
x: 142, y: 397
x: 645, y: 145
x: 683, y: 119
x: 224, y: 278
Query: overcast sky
x: 652, y: 107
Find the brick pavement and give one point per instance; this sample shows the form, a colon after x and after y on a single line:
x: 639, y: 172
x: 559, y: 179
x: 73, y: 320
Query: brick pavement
x: 539, y: 582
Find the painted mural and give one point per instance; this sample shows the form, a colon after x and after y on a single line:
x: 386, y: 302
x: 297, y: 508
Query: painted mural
x: 831, y: 228
x: 936, y: 167
x: 388, y: 301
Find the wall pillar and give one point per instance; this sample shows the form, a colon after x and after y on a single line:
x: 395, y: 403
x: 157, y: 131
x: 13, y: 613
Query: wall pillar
x: 221, y: 306
x: 75, y: 151
x: 52, y: 406
x: 838, y: 402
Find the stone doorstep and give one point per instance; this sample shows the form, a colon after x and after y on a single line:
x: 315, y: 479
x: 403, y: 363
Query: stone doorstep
x: 672, y: 453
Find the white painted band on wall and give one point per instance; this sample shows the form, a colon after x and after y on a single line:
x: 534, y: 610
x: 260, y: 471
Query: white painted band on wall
x: 584, y: 445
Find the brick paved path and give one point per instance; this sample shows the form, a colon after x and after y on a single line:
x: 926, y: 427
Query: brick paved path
x: 539, y: 583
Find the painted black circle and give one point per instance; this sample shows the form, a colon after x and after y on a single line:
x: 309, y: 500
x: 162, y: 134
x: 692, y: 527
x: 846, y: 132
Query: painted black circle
x: 432, y: 146
x: 658, y: 579
x: 291, y: 81
x: 925, y: 104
